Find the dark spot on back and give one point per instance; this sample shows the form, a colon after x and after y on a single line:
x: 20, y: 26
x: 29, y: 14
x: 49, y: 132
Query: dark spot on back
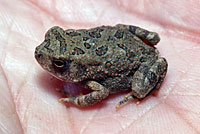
x: 78, y: 51
x: 122, y: 46
x: 73, y: 34
x: 119, y: 34
x: 109, y: 38
x: 95, y: 34
x: 101, y: 50
x: 87, y: 45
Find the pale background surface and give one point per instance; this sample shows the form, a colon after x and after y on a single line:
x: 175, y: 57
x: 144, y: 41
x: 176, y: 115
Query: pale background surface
x: 28, y: 102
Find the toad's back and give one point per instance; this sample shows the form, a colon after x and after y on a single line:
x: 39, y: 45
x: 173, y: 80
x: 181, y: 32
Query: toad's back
x: 109, y: 49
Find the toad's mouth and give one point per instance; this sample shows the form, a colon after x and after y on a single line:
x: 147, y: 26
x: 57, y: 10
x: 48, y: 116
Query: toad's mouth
x: 62, y: 78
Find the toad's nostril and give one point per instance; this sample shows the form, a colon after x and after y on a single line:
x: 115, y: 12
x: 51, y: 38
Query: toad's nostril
x: 38, y: 56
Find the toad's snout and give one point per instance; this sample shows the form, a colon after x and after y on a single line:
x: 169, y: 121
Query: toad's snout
x: 38, y: 55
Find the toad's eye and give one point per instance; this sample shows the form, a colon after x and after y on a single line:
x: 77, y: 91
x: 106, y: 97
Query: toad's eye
x: 58, y: 63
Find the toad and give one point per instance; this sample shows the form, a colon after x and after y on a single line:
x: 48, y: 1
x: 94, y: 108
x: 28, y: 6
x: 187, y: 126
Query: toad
x: 105, y: 59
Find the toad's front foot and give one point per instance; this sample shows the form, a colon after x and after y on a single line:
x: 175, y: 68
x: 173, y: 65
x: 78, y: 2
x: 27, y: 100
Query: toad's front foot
x: 99, y: 93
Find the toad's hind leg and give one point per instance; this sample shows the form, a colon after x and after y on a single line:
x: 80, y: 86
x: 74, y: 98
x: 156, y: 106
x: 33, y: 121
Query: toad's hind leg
x: 148, y: 37
x: 146, y: 80
x: 99, y: 93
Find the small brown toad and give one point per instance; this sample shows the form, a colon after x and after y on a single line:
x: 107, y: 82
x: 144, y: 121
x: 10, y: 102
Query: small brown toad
x: 106, y: 59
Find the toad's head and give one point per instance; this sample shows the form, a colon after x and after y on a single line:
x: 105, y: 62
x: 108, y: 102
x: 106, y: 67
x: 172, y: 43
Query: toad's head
x: 54, y: 56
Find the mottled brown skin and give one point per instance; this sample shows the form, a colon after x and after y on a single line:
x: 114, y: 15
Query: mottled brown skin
x: 105, y: 59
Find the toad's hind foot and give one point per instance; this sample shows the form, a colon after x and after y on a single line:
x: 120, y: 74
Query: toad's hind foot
x: 126, y: 99
x: 63, y: 100
x: 148, y: 37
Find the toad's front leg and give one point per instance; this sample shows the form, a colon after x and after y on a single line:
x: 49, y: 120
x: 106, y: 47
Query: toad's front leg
x: 99, y: 93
